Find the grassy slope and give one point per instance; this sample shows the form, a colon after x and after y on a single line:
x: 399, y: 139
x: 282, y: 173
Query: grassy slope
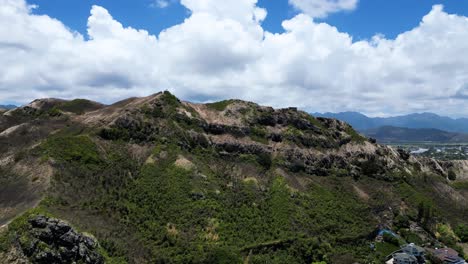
x: 180, y: 216
x: 229, y: 222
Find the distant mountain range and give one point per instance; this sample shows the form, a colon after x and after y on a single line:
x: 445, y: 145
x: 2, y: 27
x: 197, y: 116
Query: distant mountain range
x: 7, y: 107
x: 417, y: 121
x: 400, y: 135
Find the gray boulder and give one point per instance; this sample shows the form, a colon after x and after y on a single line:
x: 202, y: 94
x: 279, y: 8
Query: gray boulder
x: 52, y: 241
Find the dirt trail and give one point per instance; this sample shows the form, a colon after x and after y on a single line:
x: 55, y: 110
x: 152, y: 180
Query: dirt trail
x: 5, y: 225
x: 6, y: 222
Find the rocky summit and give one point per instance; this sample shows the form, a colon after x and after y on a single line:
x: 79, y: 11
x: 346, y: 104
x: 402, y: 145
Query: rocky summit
x: 159, y: 180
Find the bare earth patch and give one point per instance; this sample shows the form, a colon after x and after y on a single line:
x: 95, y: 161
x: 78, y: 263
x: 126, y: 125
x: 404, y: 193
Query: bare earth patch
x: 213, y: 116
x: 362, y: 194
x: 184, y: 163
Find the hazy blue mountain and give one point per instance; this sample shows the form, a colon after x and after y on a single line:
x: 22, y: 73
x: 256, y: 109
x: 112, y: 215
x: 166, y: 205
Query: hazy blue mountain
x: 420, y: 120
x: 357, y: 120
x: 400, y: 134
x: 8, y: 107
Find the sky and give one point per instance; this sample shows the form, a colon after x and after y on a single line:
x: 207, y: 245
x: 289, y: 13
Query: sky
x: 377, y: 57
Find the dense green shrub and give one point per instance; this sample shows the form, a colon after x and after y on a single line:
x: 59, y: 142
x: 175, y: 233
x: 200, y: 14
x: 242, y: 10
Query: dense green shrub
x: 452, y: 175
x: 401, y: 221
x: 114, y: 134
x: 259, y: 134
x: 411, y: 237
x: 371, y: 167
x: 461, y: 185
x: 355, y: 136
x: 462, y: 232
x: 74, y: 149
x: 219, y: 106
x: 446, y: 235
x: 170, y: 99
x: 265, y: 160
x: 297, y: 166
x: 389, y: 238
x: 426, y: 212
x: 78, y: 106
x: 54, y: 112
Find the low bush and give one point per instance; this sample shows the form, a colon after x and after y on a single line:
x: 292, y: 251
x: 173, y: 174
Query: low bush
x: 389, y: 238
x: 462, y: 232
x: 219, y: 106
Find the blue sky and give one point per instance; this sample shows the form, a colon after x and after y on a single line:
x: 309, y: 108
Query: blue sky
x: 371, y: 17
x: 334, y: 55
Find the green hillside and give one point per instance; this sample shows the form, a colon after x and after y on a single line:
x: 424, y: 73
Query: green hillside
x: 157, y: 180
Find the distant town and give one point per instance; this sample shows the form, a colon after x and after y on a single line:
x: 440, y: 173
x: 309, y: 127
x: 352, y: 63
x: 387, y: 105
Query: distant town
x: 440, y: 151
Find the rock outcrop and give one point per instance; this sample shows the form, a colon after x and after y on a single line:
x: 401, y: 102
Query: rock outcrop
x: 50, y: 240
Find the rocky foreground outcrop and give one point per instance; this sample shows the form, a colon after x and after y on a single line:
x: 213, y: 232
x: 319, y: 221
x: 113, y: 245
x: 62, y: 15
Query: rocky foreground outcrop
x: 50, y: 240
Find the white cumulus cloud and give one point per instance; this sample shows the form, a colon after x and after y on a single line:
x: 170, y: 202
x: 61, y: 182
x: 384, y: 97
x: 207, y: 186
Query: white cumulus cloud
x: 160, y: 3
x: 322, y: 8
x: 221, y: 51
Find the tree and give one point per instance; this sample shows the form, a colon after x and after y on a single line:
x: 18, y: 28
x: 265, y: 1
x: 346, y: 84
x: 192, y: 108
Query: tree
x: 389, y: 238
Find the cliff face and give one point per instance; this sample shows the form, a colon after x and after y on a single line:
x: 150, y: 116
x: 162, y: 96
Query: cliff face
x: 160, y: 180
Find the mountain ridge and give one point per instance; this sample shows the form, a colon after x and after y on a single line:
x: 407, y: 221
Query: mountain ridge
x: 391, y: 134
x: 7, y: 107
x: 417, y: 120
x: 159, y: 180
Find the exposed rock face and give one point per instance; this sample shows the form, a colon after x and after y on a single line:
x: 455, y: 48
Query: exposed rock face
x: 54, y: 241
x: 460, y: 167
x: 316, y: 146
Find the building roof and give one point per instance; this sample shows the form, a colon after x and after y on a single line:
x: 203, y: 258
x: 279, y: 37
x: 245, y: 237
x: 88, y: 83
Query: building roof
x: 446, y: 252
x: 447, y: 255
x: 413, y: 249
x: 404, y: 256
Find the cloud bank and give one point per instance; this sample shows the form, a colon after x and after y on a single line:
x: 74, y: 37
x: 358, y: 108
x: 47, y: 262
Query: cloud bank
x: 221, y: 51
